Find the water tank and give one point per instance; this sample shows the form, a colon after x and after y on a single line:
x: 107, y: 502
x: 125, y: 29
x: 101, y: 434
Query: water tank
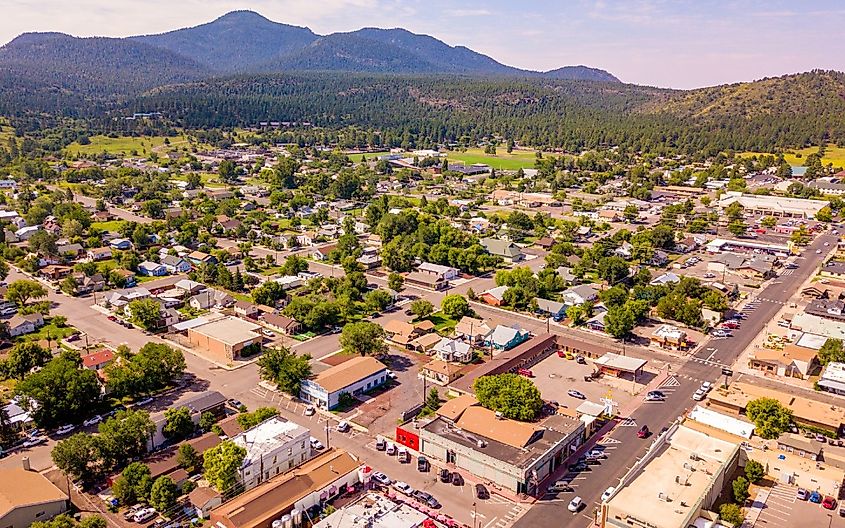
x: 25, y: 463
x: 296, y: 515
x: 287, y: 521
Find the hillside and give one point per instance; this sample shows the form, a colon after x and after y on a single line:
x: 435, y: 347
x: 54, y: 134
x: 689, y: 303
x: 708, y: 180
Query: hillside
x: 581, y: 73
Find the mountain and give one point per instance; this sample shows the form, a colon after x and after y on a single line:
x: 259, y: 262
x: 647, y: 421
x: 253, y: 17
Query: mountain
x: 95, y: 66
x: 237, y: 41
x: 581, y: 73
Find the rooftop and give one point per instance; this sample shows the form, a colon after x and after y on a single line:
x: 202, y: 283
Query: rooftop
x: 19, y: 487
x: 619, y: 362
x: 268, y: 436
x: 374, y: 511
x: 345, y: 374
x: 739, y: 394
x: 229, y: 330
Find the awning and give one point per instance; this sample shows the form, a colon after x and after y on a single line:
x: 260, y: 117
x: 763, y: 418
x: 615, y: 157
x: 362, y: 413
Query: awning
x: 832, y: 384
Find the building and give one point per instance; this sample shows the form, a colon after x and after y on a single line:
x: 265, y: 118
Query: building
x: 494, y: 296
x: 514, y: 455
x: 450, y: 350
x: 174, y: 264
x: 506, y: 249
x: 674, y: 484
x: 833, y: 378
x: 98, y: 359
x: 97, y: 254
x: 506, y: 337
x: 225, y: 339
x: 777, y: 206
x: 355, y: 376
x: 554, y: 309
x: 446, y: 272
x: 834, y: 269
x: 376, y: 511
x: 317, y: 481
x: 281, y: 323
x: 472, y: 330
x: 246, y: 309
x: 617, y: 365
x: 152, y: 269
x: 24, y: 324
x: 429, y: 281
x: 274, y: 446
x: 792, y: 362
x: 577, y: 295
x: 669, y: 336
x: 27, y: 497
x: 440, y: 372
x: 204, y: 500
x: 121, y: 243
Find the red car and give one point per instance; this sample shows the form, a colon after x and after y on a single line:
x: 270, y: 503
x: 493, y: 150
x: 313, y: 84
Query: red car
x: 525, y: 372
x: 730, y: 324
x: 829, y: 503
x: 112, y: 318
x: 643, y: 432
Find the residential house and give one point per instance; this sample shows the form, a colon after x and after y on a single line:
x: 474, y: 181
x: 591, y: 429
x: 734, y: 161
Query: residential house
x: 188, y: 287
x: 25, y: 324
x: 494, y: 296
x: 198, y: 257
x: 425, y: 343
x: 246, y: 309
x: 86, y: 284
x: 792, y: 362
x: 118, y: 299
x: 322, y: 253
x: 369, y: 261
x: 665, y: 279
x: 450, y: 350
x: 70, y: 251
x: 354, y: 377
x: 506, y: 249
x: 282, y: 323
x: 152, y: 269
x: 440, y: 372
x: 174, y: 264
x: 211, y: 298
x: 565, y: 273
x: 97, y: 359
x: 545, y: 242
x: 98, y: 254
x: 55, y: 272
x: 446, y: 272
x: 25, y: 233
x: 204, y: 500
x: 127, y: 276
x: 686, y: 245
x: 120, y: 243
x: 27, y: 497
x: 400, y: 332
x: 578, y: 295
x: 596, y: 323
x: 547, y: 308
x: 658, y: 259
x: 429, y: 281
x: 472, y: 330
x: 506, y: 337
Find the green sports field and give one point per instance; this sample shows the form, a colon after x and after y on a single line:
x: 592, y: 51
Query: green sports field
x: 833, y: 154
x: 144, y: 145
x: 518, y: 159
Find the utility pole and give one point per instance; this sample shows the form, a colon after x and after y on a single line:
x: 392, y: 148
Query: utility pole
x: 328, y: 428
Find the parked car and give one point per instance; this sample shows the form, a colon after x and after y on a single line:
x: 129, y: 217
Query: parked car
x: 607, y: 493
x: 422, y: 464
x: 596, y: 453
x: 575, y: 505
x: 643, y: 432
x: 576, y: 394
x: 144, y: 515
x: 829, y: 503
x: 381, y: 444
x: 65, y: 429
x: 268, y: 333
x: 93, y: 420
x: 390, y: 449
x: 481, y: 492
x: 426, y: 498
x: 578, y: 467
x: 457, y: 479
x: 403, y: 487
x: 581, y: 359
x: 699, y: 395
x: 802, y: 494
x: 310, y: 410
x: 342, y: 426
x: 525, y: 372
x: 130, y: 513
x: 815, y: 497
x: 381, y: 478
x: 316, y: 444
x: 561, y: 486
x: 34, y: 441
x: 445, y: 475
x: 144, y: 401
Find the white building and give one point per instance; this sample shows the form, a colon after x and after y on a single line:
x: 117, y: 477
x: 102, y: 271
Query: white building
x: 355, y: 376
x: 272, y: 447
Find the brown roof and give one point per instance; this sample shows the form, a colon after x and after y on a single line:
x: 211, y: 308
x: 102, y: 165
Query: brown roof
x: 425, y: 326
x: 441, y: 367
x: 20, y: 488
x: 786, y: 356
x: 481, y: 421
x: 471, y: 326
x: 395, y: 326
x: 452, y: 409
x: 279, y: 321
x: 427, y: 340
x: 803, y: 409
x: 348, y: 372
x: 230, y: 426
x: 200, y: 496
x: 424, y: 278
x: 261, y: 505
x: 506, y: 360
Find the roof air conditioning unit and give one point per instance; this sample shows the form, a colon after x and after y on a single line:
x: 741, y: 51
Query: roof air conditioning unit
x: 481, y: 443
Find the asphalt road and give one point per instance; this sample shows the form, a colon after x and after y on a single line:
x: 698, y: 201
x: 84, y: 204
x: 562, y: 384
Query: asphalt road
x: 623, y: 448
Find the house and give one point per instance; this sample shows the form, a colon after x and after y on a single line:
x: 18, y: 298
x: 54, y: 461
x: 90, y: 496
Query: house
x: 274, y: 446
x: 204, y: 499
x: 70, y: 251
x: 428, y: 281
x: 322, y: 253
x: 27, y: 497
x: 494, y: 296
x: 211, y: 298
x: 596, y: 323
x: 446, y: 272
x: 369, y: 261
x: 25, y: 233
x: 578, y: 295
x: 506, y: 337
x: 400, y: 332
x: 472, y: 330
x: 98, y: 359
x: 545, y: 243
x: 225, y: 339
x: 554, y: 309
x: 565, y: 273
x: 174, y: 264
x: 354, y: 377
x: 152, y: 269
x: 449, y: 350
x: 86, y: 284
x: 425, y: 343
x: 198, y: 257
x: 282, y: 323
x: 659, y: 258
x: 506, y: 249
x: 55, y: 272
x: 246, y: 309
x: 669, y: 336
x: 98, y: 254
x: 127, y: 276
x: 25, y: 324
x: 686, y: 245
x: 118, y: 299
x: 102, y: 216
x: 440, y: 372
x: 833, y: 378
x: 792, y: 362
x: 665, y: 278
x: 189, y: 287
x: 120, y: 243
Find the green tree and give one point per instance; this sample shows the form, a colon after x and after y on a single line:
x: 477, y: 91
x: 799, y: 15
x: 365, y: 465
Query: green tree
x: 831, y: 351
x: 454, y: 306
x: 23, y: 357
x: 79, y: 457
x: 395, y: 282
x: 619, y: 321
x: 512, y: 395
x: 432, y: 401
x: 125, y: 436
x: 631, y: 213
x: 207, y: 420
x: 731, y: 513
x: 770, y: 418
x: 754, y: 471
x: 284, y: 368
x: 178, y: 423
x: 293, y: 265
x: 768, y: 221
x: 740, y: 489
x: 363, y: 338
x: 251, y: 419
x: 422, y: 308
x: 378, y: 300
x: 133, y: 484
x: 69, y: 286
x: 737, y: 227
x: 163, y: 494
x: 188, y: 458
x: 612, y: 269
x: 22, y: 291
x: 146, y: 313
x: 221, y: 464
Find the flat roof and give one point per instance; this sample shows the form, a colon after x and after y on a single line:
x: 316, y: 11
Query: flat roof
x: 723, y: 422
x: 693, y: 457
x: 739, y: 394
x: 229, y: 330
x: 619, y: 362
x: 345, y: 374
x: 505, y: 360
x: 374, y: 511
x: 268, y: 436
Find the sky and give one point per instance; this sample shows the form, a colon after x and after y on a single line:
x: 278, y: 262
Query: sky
x: 673, y: 44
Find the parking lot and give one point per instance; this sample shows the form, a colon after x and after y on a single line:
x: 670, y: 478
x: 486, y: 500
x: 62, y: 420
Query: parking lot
x: 783, y: 510
x: 554, y: 376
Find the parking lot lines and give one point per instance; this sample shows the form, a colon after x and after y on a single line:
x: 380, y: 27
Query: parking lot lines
x: 628, y: 422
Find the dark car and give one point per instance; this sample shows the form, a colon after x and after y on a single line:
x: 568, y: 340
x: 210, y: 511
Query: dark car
x: 445, y: 475
x: 422, y: 464
x: 426, y: 498
x: 457, y: 479
x: 643, y: 432
x: 481, y: 492
x: 576, y: 468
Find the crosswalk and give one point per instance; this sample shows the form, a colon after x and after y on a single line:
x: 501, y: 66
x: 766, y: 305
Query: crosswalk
x: 627, y: 422
x: 510, y: 517
x: 671, y: 381
x: 787, y: 272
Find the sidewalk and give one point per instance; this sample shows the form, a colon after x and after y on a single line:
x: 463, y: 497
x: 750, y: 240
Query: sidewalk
x: 757, y: 506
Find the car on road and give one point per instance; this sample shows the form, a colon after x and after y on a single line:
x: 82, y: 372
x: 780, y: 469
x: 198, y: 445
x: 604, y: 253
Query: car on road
x: 35, y: 432
x: 655, y: 396
x: 268, y: 333
x: 382, y: 479
x: 815, y: 497
x: 316, y: 444
x: 445, y: 476
x: 525, y: 372
x: 607, y: 493
x: 403, y: 488
x: 561, y: 486
x: 34, y: 441
x: 335, y: 330
x: 575, y: 504
x: 144, y: 401
x: 818, y: 252
x: 576, y: 394
x: 94, y: 420
x: 342, y: 426
x: 643, y: 432
x: 457, y: 479
x: 144, y: 515
x: 699, y: 394
x: 310, y: 410
x: 829, y: 503
x: 802, y: 494
x: 65, y: 429
x: 481, y: 492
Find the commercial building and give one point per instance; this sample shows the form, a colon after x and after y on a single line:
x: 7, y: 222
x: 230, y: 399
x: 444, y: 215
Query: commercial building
x: 833, y: 378
x: 355, y: 376
x: 316, y: 482
x: 272, y: 447
x: 225, y: 339
x: 514, y: 455
x: 792, y: 362
x: 27, y: 497
x: 773, y: 205
x: 375, y: 511
x: 674, y: 484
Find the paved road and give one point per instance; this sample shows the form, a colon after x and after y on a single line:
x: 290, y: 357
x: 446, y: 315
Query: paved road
x: 623, y: 446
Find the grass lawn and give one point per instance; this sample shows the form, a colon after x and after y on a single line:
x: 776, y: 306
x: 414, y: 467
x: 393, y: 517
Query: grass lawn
x: 272, y: 270
x: 124, y: 145
x: 442, y: 324
x: 52, y: 330
x: 106, y: 266
x: 833, y: 154
x: 140, y: 279
x: 501, y: 160
x: 111, y: 225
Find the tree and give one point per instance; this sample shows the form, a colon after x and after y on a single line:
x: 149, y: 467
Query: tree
x: 754, y: 471
x: 250, y: 420
x: 737, y: 227
x: 69, y: 286
x: 78, y: 456
x: 619, y: 321
x: 378, y: 300
x: 768, y: 221
x: 731, y: 513
x: 124, y: 436
x: 631, y: 213
x: 740, y: 489
x: 432, y: 401
x: 831, y: 351
x: 63, y: 390
x: 512, y: 395
x: 612, y: 269
x: 824, y: 214
x: 207, y: 420
x: 133, y: 484
x: 163, y: 494
x: 395, y: 282
x: 152, y: 368
x: 188, y: 458
x: 294, y: 265
x: 734, y: 211
x: 221, y: 464
x: 800, y: 236
x: 23, y: 357
x: 22, y: 291
x: 146, y: 313
x: 284, y: 368
x: 363, y: 338
x: 454, y: 306
x: 769, y: 416
x: 422, y: 308
x: 178, y: 423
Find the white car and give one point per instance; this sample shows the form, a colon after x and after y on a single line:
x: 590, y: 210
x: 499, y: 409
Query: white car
x: 268, y: 333
x: 381, y: 478
x: 607, y: 493
x: 65, y: 429
x: 706, y: 386
x: 403, y: 488
x: 144, y: 515
x: 596, y: 453
x: 391, y: 374
x: 309, y: 411
x: 342, y: 426
x: 316, y: 444
x: 94, y: 420
x: 34, y: 441
x: 699, y: 395
x: 575, y: 505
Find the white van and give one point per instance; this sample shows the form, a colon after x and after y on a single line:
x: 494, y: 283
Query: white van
x: 403, y: 455
x: 390, y: 449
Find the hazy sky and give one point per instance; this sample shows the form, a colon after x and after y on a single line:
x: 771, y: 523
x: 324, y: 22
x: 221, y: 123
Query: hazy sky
x: 679, y: 43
